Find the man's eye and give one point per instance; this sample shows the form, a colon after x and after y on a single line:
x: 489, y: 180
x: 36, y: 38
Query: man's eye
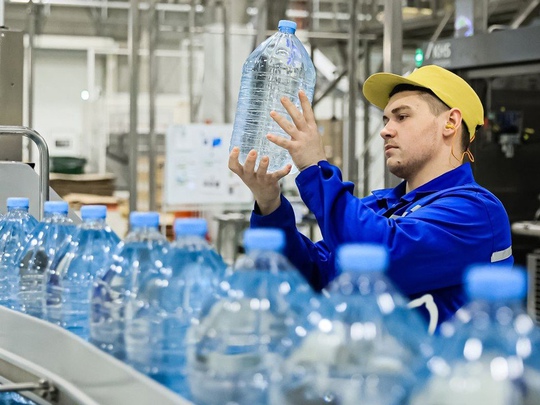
x: 401, y: 117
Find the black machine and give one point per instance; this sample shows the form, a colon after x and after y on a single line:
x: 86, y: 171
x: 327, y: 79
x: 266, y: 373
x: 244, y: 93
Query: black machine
x: 504, y: 69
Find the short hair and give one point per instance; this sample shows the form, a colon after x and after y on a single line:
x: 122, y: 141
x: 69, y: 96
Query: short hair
x: 436, y: 106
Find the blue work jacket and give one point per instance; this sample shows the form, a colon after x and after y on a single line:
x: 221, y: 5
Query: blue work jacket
x: 432, y: 233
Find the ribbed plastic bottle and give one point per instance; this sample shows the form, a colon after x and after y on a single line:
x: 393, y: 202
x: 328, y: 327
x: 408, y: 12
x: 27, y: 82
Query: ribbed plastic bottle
x: 169, y: 302
x: 489, y: 353
x: 279, y: 67
x: 72, y: 273
x: 14, y: 229
x: 12, y: 398
x: 192, y: 253
x: 143, y: 251
x: 260, y: 314
x: 39, y: 252
x: 370, y: 351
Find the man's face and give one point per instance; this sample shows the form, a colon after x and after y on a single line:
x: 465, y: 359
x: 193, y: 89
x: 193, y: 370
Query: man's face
x: 411, y: 134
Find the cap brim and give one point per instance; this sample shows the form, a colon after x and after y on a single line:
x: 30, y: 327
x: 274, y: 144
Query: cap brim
x: 378, y: 86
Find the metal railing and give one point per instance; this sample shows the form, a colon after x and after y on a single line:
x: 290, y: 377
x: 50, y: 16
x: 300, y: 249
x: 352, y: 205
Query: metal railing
x: 43, y: 159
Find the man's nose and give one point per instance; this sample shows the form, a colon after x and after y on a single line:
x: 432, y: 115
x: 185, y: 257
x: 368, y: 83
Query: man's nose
x: 387, y: 131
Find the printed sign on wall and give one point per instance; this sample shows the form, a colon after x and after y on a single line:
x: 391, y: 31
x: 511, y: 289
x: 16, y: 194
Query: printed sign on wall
x: 196, y: 166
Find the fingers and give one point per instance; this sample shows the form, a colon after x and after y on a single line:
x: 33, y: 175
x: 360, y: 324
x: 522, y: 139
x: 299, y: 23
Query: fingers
x: 263, y: 166
x: 234, y: 164
x: 279, y: 140
x: 283, y: 172
x: 294, y: 112
x: 248, y: 170
x: 306, y: 107
x: 283, y: 122
x: 251, y: 159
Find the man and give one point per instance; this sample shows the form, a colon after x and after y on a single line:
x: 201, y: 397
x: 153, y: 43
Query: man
x: 435, y: 223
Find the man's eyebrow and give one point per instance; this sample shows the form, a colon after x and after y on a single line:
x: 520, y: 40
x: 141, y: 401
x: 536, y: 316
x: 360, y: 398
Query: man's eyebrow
x: 400, y: 109
x: 397, y: 110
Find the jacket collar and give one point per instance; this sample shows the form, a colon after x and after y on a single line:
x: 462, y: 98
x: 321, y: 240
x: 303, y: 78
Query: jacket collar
x: 459, y: 176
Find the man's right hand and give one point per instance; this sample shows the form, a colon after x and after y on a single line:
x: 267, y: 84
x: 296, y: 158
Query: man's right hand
x: 263, y: 185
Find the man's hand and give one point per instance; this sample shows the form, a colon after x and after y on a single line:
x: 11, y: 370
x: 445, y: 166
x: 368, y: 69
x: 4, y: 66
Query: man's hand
x: 305, y: 145
x: 263, y: 185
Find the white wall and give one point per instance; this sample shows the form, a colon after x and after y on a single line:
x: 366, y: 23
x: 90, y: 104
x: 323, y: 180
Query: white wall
x: 60, y: 77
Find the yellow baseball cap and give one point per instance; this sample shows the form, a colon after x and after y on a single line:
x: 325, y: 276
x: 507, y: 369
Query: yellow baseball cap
x: 449, y: 87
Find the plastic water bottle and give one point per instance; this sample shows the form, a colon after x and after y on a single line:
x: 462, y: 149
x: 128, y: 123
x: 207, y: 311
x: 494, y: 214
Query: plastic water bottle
x: 142, y: 252
x: 370, y: 351
x: 14, y: 229
x: 489, y: 353
x: 49, y: 235
x: 278, y: 67
x: 169, y: 302
x: 71, y: 275
x: 261, y: 312
x: 197, y: 263
x: 12, y: 398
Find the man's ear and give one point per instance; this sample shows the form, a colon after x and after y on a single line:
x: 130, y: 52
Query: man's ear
x: 453, y: 122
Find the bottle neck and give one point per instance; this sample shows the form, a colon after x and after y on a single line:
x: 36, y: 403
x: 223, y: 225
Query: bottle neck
x: 139, y: 233
x: 287, y: 30
x: 17, y: 209
x: 91, y: 223
x: 55, y: 214
x: 360, y: 283
x: 187, y: 238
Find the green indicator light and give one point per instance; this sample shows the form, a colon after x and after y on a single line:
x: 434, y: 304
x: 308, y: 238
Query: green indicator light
x: 419, y: 57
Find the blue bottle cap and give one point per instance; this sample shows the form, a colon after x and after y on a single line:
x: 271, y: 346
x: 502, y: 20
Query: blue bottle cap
x: 144, y: 219
x: 93, y: 212
x: 272, y: 239
x: 362, y: 257
x: 496, y: 282
x: 190, y: 226
x: 287, y: 25
x: 18, y: 202
x: 60, y: 207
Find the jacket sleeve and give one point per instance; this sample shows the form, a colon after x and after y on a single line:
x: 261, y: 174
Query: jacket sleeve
x: 429, y: 248
x: 313, y: 260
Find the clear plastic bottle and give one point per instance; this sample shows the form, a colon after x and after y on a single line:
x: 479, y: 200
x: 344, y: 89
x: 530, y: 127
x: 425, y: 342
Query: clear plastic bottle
x: 489, y: 352
x: 38, y: 253
x: 142, y: 252
x: 191, y: 253
x: 370, y: 351
x: 14, y: 229
x: 169, y: 302
x: 76, y: 265
x: 279, y: 67
x: 261, y: 312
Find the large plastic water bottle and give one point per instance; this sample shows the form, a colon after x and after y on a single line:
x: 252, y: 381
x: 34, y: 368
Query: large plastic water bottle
x: 278, y: 67
x: 169, y: 302
x: 372, y: 349
x: 38, y: 253
x: 489, y: 353
x: 262, y: 311
x: 142, y: 252
x: 14, y: 229
x: 76, y: 265
x: 196, y: 261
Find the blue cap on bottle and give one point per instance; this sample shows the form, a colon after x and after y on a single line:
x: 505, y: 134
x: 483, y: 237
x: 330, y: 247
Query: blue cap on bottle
x: 362, y: 257
x: 139, y: 219
x: 18, y: 202
x: 93, y: 212
x: 287, y: 26
x: 272, y: 239
x: 60, y: 207
x: 190, y: 226
x: 496, y: 282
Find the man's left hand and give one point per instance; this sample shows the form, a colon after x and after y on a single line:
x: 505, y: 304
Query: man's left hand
x: 305, y: 145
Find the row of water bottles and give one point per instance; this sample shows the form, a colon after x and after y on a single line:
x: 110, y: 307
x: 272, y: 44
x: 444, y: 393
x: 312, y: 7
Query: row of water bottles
x: 257, y: 333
